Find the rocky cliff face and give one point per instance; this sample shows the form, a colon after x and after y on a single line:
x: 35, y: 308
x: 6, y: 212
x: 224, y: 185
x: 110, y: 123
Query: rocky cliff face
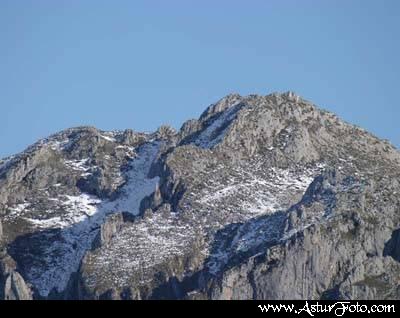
x: 262, y: 197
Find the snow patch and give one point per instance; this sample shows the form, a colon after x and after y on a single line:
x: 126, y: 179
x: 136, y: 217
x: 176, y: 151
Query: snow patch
x: 108, y: 138
x: 162, y: 236
x: 83, y: 216
x: 138, y: 185
x: 19, y: 208
x: 215, y: 132
x: 79, y: 165
x: 59, y: 145
x: 256, y: 194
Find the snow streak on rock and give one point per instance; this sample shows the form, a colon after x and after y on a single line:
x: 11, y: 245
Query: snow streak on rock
x: 81, y: 166
x: 73, y: 231
x: 254, y: 193
x: 233, y: 194
x: 138, y: 185
x: 248, y: 192
x: 78, y: 208
x: 215, y: 132
x: 161, y: 237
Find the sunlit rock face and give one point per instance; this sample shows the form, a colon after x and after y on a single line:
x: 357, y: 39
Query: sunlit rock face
x: 262, y: 197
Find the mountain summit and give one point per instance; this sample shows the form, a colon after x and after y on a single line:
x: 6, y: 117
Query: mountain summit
x: 262, y: 197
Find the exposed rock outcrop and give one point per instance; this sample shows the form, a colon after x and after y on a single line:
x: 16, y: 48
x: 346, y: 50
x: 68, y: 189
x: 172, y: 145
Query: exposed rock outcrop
x: 262, y: 197
x: 12, y: 285
x: 16, y: 288
x: 111, y: 226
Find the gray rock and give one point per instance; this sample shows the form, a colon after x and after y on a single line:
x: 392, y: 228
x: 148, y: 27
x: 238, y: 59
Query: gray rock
x: 16, y: 288
x: 166, y: 132
x: 262, y: 197
x: 189, y: 128
x: 111, y: 226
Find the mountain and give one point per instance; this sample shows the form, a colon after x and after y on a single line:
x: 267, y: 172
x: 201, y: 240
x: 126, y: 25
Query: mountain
x: 262, y: 197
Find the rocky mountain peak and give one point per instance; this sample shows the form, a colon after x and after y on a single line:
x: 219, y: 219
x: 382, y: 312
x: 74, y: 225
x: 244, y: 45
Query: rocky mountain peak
x: 257, y: 190
x: 220, y: 106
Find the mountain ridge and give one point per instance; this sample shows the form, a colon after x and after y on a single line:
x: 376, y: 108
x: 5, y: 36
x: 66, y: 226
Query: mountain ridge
x: 211, y: 211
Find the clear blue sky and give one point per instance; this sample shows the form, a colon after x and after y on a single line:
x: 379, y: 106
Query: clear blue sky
x: 138, y: 64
